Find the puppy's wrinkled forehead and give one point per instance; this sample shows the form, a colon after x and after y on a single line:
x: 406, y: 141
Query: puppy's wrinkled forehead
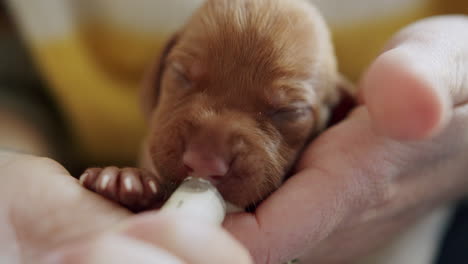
x: 262, y: 43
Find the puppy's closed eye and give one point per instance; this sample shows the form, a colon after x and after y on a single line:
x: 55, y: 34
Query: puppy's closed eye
x: 291, y: 114
x: 179, y: 76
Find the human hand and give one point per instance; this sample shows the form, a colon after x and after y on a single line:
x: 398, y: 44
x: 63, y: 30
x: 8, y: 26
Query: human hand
x: 157, y: 238
x: 42, y: 208
x: 362, y: 181
x: 47, y: 217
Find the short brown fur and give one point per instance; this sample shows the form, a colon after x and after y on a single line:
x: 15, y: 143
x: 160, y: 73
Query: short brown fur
x: 241, y: 62
x: 248, y: 81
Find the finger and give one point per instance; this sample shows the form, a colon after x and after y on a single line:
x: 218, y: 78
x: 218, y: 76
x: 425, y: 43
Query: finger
x: 412, y: 87
x: 113, y: 248
x: 331, y: 188
x: 290, y: 221
x: 191, y: 240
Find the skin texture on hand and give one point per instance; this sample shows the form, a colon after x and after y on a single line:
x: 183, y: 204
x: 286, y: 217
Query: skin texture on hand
x: 43, y: 207
x: 47, y: 217
x: 412, y: 87
x: 362, y: 180
x: 158, y: 238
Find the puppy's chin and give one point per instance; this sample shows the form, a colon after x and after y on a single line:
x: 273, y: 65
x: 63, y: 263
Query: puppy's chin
x: 245, y: 197
x: 241, y: 194
x: 231, y: 208
x: 252, y: 180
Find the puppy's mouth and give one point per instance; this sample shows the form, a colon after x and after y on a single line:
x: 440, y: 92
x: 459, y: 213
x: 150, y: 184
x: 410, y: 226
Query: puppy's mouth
x: 247, y: 177
x: 233, y: 187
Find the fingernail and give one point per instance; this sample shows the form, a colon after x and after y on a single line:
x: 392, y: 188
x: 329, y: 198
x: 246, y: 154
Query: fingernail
x: 152, y: 186
x: 83, y: 177
x: 128, y: 184
x: 105, y: 180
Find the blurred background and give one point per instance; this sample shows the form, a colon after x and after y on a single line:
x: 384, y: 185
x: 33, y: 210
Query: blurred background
x: 30, y: 120
x: 70, y: 70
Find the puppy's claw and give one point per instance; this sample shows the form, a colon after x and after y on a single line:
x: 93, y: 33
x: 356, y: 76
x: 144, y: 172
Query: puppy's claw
x: 128, y: 184
x: 152, y: 186
x: 104, y: 181
x: 83, y: 178
x: 133, y: 188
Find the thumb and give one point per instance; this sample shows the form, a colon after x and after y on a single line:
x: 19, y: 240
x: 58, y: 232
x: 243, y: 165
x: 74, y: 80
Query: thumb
x: 412, y: 88
x: 112, y: 248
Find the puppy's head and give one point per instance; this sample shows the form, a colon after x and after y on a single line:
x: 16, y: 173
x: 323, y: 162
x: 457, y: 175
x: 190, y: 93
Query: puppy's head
x: 238, y: 92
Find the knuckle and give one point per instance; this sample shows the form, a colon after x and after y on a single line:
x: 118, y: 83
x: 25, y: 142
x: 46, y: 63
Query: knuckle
x: 49, y: 164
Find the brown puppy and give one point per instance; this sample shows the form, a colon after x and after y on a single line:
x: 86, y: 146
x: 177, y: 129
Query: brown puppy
x: 234, y: 98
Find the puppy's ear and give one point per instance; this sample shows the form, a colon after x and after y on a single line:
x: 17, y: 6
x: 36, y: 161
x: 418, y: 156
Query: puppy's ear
x: 346, y: 102
x: 152, y: 80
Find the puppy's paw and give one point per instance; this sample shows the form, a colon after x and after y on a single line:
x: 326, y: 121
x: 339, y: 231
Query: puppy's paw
x: 136, y: 189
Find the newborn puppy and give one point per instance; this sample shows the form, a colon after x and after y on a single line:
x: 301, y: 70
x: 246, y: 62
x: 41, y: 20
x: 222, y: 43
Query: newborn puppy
x: 234, y: 98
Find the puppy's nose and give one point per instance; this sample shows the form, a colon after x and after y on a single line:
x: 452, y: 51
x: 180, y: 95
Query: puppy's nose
x: 209, y: 166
